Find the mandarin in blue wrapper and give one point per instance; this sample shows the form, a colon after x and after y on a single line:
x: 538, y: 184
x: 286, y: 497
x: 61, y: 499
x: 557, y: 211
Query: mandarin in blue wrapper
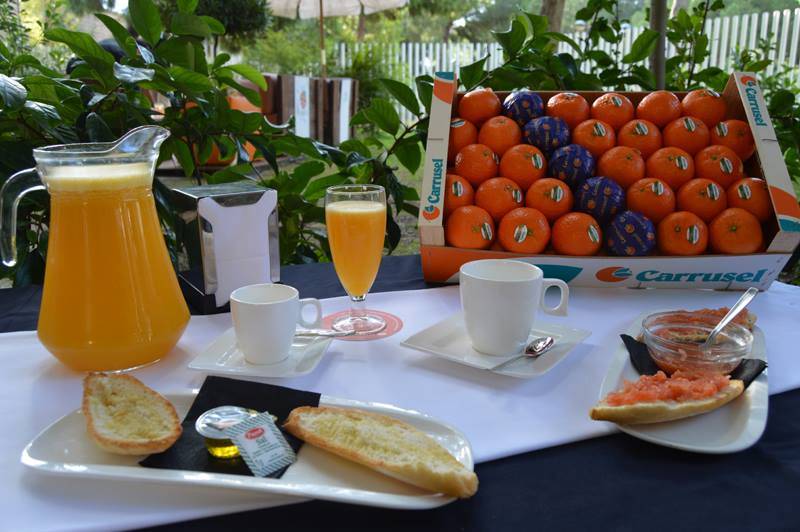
x: 572, y: 164
x: 522, y: 106
x: 547, y: 133
x: 631, y: 234
x: 601, y: 197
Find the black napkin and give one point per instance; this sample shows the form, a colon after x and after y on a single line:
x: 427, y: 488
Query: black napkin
x: 747, y: 370
x: 189, y: 452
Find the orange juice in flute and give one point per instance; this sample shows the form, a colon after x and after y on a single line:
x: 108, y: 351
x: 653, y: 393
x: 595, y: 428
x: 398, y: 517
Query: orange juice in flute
x: 356, y: 219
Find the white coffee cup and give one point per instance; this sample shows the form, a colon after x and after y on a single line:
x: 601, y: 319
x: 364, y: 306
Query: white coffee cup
x: 265, y: 317
x: 500, y: 299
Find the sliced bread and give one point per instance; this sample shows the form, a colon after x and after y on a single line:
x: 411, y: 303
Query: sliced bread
x: 384, y: 444
x: 658, y: 411
x: 123, y: 416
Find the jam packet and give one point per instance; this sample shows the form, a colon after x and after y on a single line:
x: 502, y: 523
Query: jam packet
x: 261, y: 444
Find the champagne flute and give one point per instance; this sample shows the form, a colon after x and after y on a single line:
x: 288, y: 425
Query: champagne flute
x: 356, y: 220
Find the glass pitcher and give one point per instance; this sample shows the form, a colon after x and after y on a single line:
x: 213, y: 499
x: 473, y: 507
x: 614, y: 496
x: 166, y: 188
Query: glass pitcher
x: 111, y: 299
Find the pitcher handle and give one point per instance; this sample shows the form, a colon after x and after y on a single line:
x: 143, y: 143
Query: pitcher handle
x: 14, y: 189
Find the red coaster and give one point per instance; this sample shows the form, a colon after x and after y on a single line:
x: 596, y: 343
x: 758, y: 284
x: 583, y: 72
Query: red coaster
x: 393, y: 325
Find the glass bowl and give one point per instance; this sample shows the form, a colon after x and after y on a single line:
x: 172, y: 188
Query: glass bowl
x: 675, y: 340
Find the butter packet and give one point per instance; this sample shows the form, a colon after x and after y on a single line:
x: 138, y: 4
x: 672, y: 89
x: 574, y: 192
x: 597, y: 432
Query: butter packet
x: 261, y: 444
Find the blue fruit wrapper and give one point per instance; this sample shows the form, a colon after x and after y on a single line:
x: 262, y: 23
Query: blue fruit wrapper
x: 572, y: 164
x: 547, y: 133
x: 631, y: 234
x: 601, y: 197
x: 522, y: 106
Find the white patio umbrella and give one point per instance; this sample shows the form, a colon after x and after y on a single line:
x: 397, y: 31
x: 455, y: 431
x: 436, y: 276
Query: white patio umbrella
x: 305, y: 9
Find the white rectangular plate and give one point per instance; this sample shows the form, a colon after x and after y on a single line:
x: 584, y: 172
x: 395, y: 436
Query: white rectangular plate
x: 728, y: 429
x: 64, y: 448
x: 448, y: 339
x: 223, y: 357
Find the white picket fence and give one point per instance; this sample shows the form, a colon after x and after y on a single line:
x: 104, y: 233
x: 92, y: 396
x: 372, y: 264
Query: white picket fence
x: 407, y: 60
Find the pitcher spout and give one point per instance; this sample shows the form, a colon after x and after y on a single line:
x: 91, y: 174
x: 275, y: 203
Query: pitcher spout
x: 143, y: 140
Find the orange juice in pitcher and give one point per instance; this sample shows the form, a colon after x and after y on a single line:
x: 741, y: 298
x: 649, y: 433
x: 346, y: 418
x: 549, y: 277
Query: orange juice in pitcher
x: 111, y: 299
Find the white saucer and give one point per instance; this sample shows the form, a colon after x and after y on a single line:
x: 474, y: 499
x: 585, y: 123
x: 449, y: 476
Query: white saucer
x: 728, y: 429
x: 448, y: 339
x: 223, y: 357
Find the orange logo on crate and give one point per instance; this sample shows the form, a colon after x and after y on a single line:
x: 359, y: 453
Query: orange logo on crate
x: 445, y: 87
x: 613, y: 274
x: 786, y: 206
x: 431, y: 212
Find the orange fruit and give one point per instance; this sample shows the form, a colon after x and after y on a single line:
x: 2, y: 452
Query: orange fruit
x: 705, y: 104
x: 576, y: 233
x: 524, y: 164
x: 469, y: 227
x: 702, y: 197
x: 682, y: 233
x: 462, y: 133
x: 476, y: 163
x: 552, y: 197
x: 569, y: 106
x: 457, y: 193
x: 642, y: 135
x: 498, y: 196
x: 500, y: 134
x: 651, y: 197
x: 735, y: 231
x: 594, y: 135
x: 622, y: 164
x: 736, y: 135
x: 659, y: 107
x: 479, y: 105
x: 614, y: 109
x: 673, y: 165
x: 524, y: 230
x: 719, y: 164
x: 752, y: 195
x: 688, y: 133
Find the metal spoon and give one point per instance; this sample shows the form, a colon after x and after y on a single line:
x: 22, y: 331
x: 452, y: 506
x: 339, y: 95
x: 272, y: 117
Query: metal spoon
x: 535, y: 348
x: 327, y: 333
x: 737, y: 307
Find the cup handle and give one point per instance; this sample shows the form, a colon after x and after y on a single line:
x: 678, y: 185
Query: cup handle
x: 561, y: 308
x: 317, y: 321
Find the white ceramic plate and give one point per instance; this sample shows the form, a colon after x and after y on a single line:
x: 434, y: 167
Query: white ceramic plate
x: 63, y: 448
x: 223, y: 357
x: 731, y: 428
x: 448, y: 339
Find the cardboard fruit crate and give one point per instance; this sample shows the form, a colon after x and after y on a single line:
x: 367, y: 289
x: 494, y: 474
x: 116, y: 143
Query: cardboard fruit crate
x: 441, y: 263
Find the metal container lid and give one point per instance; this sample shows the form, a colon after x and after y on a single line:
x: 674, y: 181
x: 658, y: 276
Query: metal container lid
x: 213, y: 423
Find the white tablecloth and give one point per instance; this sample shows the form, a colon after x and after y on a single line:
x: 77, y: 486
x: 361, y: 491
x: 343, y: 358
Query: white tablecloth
x: 500, y: 415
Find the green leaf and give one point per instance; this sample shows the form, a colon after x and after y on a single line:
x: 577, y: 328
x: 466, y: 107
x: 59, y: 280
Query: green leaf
x: 214, y: 25
x: 355, y: 145
x: 403, y: 94
x: 425, y: 90
x: 472, y: 74
x: 780, y: 101
x: 183, y: 154
x: 187, y: 6
x: 538, y: 23
x: 301, y: 175
x: 409, y: 154
x: 238, y: 122
x: 642, y: 47
x: 226, y: 175
x: 97, y: 130
x: 560, y: 37
x: 187, y: 24
x: 316, y: 189
x: 188, y: 80
x: 383, y: 114
x: 121, y: 35
x: 129, y: 74
x: 252, y: 95
x: 249, y: 73
x: 146, y: 20
x: 12, y: 92
x: 220, y: 60
x: 43, y: 111
x: 512, y: 39
x: 86, y: 48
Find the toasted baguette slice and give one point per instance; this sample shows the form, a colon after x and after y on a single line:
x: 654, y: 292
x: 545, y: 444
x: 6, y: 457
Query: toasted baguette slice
x: 658, y: 411
x: 384, y: 444
x: 123, y: 416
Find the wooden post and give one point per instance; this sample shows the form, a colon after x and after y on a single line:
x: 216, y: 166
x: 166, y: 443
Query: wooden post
x: 658, y: 22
